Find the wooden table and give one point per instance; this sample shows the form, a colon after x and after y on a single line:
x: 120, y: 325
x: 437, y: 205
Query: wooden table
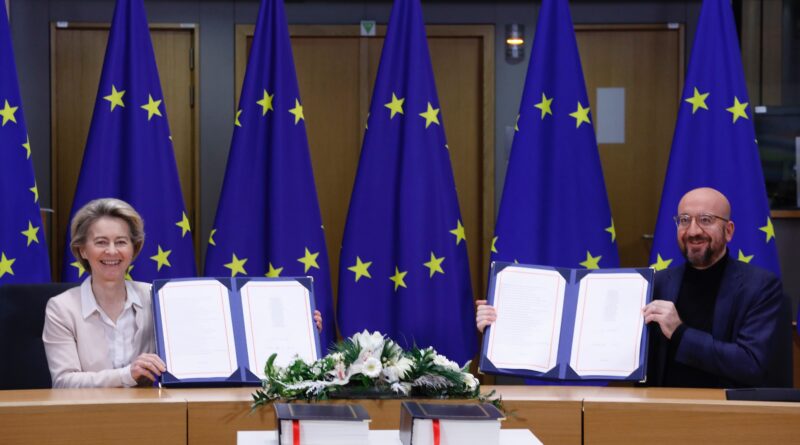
x: 91, y: 416
x: 554, y: 414
x: 612, y: 420
x: 214, y: 415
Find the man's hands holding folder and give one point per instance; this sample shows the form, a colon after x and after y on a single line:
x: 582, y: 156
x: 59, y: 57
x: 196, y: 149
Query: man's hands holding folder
x: 485, y: 315
x: 663, y: 313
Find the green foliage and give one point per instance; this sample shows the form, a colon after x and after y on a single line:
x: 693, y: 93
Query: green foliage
x: 374, y: 364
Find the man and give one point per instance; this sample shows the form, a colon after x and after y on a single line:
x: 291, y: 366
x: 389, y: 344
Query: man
x: 720, y: 322
x: 715, y: 322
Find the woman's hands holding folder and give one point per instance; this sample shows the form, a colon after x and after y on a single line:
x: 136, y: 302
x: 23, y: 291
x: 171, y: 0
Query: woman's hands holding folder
x: 147, y: 366
x: 485, y: 315
x: 318, y: 320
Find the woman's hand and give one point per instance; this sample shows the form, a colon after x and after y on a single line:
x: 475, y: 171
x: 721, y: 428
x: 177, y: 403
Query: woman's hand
x: 485, y: 315
x: 147, y: 366
x: 318, y: 320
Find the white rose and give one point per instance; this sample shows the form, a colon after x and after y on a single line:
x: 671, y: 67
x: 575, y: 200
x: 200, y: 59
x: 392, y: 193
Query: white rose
x: 402, y: 388
x: 470, y: 381
x: 391, y: 373
x: 403, y: 366
x: 340, y: 373
x: 372, y: 367
x: 372, y: 343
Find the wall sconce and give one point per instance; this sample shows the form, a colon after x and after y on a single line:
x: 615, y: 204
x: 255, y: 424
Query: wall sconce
x: 515, y: 42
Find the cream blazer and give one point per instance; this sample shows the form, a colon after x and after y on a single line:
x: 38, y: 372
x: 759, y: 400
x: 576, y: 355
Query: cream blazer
x: 76, y: 348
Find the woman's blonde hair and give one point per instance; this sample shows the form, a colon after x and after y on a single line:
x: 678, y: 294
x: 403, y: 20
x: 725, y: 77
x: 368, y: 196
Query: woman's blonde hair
x: 99, y: 208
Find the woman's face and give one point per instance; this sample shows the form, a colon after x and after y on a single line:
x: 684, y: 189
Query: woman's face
x: 108, y: 249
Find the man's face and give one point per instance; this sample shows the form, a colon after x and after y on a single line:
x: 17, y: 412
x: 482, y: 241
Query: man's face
x: 702, y: 246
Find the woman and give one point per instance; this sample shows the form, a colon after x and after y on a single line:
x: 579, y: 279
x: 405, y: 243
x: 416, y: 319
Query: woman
x: 101, y: 333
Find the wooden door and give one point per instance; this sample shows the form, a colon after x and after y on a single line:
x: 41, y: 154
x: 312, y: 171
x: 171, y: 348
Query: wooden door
x: 647, y: 61
x: 336, y: 70
x: 77, y: 52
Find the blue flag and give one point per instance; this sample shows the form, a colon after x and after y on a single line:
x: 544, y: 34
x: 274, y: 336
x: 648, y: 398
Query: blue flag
x: 268, y: 220
x: 403, y: 265
x: 23, y: 253
x: 554, y: 210
x: 129, y: 152
x: 715, y: 146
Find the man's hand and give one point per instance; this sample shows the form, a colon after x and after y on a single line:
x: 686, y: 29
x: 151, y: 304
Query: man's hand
x: 663, y: 313
x: 485, y: 314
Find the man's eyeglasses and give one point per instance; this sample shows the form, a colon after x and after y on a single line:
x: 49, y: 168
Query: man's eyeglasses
x: 704, y: 220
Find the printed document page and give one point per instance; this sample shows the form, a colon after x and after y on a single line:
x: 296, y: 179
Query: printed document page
x: 197, y: 328
x: 277, y: 319
x: 608, y: 324
x: 529, y: 304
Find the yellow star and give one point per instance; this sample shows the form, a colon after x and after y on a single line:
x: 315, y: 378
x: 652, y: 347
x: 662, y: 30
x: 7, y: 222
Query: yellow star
x: 591, y: 261
x: 8, y: 115
x: 35, y: 191
x: 211, y: 237
x: 494, y: 244
x: 266, y: 103
x: 31, y: 233
x: 162, y: 258
x: 431, y: 115
x: 397, y: 278
x: 152, y: 107
x: 544, y: 105
x: 273, y: 272
x: 27, y: 147
x: 738, y: 109
x: 744, y: 258
x: 309, y: 260
x: 128, y: 273
x: 698, y: 100
x: 581, y: 115
x: 115, y: 98
x: 184, y: 224
x: 396, y: 106
x: 79, y: 266
x: 516, y: 124
x: 660, y: 263
x: 236, y: 120
x: 768, y: 229
x: 361, y: 269
x: 612, y: 231
x: 435, y: 265
x: 297, y: 111
x: 459, y: 233
x: 236, y: 266
x: 5, y: 265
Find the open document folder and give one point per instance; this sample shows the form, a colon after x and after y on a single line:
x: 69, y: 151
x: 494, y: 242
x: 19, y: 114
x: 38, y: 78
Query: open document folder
x: 567, y: 324
x: 223, y: 330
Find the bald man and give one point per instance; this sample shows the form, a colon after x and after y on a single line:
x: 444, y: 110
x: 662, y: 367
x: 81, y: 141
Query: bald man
x: 715, y: 321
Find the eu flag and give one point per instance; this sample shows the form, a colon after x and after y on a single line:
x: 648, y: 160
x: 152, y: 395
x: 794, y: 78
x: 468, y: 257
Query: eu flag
x: 268, y: 220
x: 404, y: 268
x: 715, y: 146
x: 23, y: 253
x: 129, y: 152
x: 554, y: 210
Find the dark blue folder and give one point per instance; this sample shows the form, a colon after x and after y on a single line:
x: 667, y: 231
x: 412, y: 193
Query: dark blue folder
x: 562, y: 370
x: 243, y: 375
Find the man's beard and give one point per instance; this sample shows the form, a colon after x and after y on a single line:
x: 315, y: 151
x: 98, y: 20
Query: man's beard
x: 702, y: 259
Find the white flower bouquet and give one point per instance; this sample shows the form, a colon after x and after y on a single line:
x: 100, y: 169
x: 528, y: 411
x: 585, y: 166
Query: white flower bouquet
x: 368, y: 363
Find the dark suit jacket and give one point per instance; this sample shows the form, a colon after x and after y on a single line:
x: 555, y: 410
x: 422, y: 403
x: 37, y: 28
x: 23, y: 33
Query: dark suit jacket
x: 751, y: 342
